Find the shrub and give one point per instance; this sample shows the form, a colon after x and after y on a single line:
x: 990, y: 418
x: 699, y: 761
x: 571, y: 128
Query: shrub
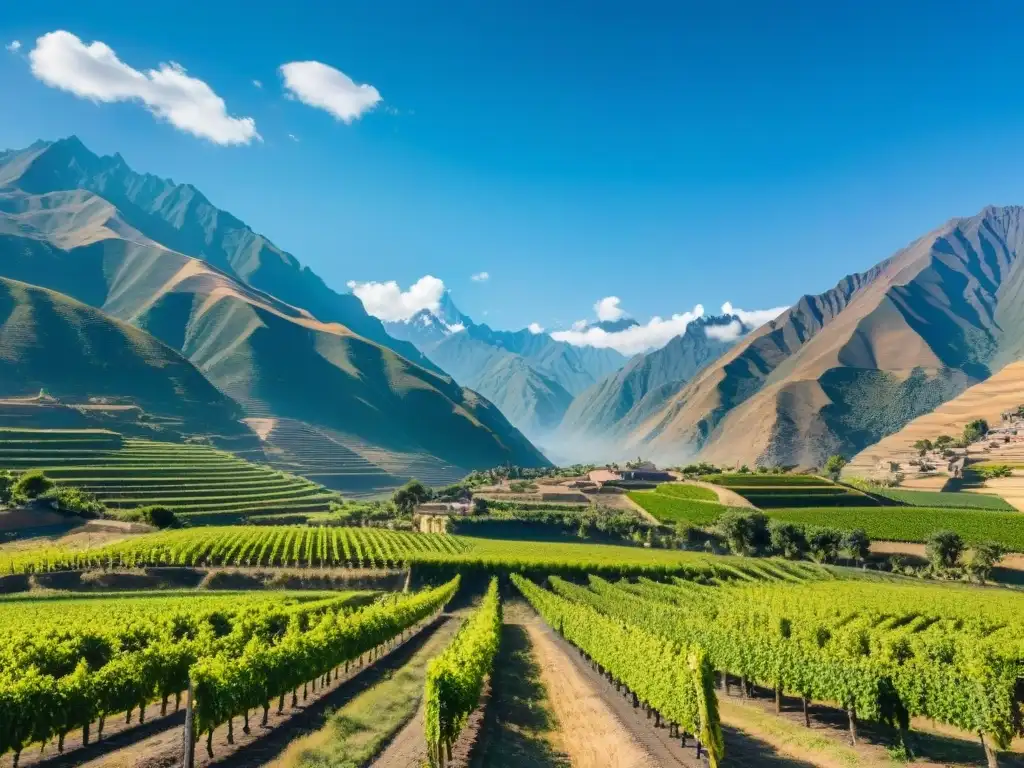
x: 944, y: 549
x: 157, y: 516
x: 975, y: 430
x: 6, y: 487
x: 986, y: 556
x: 31, y: 485
x: 857, y: 545
x: 409, y: 495
x: 995, y: 470
x: 834, y: 465
x: 73, y: 501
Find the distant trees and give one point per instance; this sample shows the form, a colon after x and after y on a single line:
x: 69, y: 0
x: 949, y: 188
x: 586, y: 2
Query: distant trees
x: 6, y: 487
x: 986, y: 557
x: 745, y: 533
x: 857, y: 545
x: 410, y: 495
x: 974, y: 431
x: 788, y: 539
x: 923, y: 446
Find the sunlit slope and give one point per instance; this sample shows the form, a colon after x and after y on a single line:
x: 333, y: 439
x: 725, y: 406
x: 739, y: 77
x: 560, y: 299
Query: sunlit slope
x: 840, y: 370
x: 77, y: 353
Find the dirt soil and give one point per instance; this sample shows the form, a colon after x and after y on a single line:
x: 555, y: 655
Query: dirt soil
x: 164, y: 749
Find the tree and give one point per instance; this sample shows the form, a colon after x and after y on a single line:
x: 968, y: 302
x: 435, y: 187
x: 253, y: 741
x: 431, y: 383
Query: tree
x: 31, y: 484
x: 942, y: 442
x: 788, y: 539
x: 161, y: 517
x: 824, y: 544
x: 410, y: 495
x: 834, y: 465
x: 974, y: 431
x: 745, y: 533
x: 923, y: 446
x: 986, y: 556
x: 857, y: 545
x: 944, y: 549
x: 479, y: 506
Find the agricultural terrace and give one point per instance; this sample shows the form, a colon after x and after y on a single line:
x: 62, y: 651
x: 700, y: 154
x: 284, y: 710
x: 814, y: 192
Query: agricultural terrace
x: 775, y: 491
x: 944, y: 499
x: 885, y: 653
x: 192, y: 480
x: 672, y: 503
x: 67, y: 666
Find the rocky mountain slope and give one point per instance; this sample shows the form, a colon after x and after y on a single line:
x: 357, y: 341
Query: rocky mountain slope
x: 840, y: 370
x: 608, y: 409
x: 265, y: 332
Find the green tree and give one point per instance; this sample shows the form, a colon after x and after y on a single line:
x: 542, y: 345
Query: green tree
x: 974, y: 431
x: 745, y: 533
x: 32, y: 484
x: 944, y: 549
x: 410, y: 495
x: 986, y: 557
x: 788, y: 539
x: 856, y: 545
x: 6, y: 487
x: 942, y: 442
x: 923, y: 446
x: 824, y: 544
x: 834, y: 465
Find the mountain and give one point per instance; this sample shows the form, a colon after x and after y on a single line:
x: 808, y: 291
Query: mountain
x: 626, y: 397
x: 224, y: 311
x: 530, y: 377
x: 840, y: 370
x: 181, y: 219
x: 77, y: 353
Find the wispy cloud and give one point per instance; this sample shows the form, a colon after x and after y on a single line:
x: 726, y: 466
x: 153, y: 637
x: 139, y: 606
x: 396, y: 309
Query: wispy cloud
x: 608, y: 309
x: 324, y: 87
x: 728, y: 332
x: 480, y: 277
x: 258, y: 83
x: 535, y: 328
x: 387, y: 301
x: 637, y: 338
x: 293, y: 137
x: 61, y: 60
x: 14, y: 46
x: 753, y: 318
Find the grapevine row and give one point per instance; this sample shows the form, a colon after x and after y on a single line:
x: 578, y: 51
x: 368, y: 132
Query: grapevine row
x: 673, y: 679
x: 455, y: 679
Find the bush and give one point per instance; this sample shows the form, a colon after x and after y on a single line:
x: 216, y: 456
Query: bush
x: 944, y: 549
x: 834, y: 465
x: 410, y: 495
x: 857, y: 545
x: 986, y: 556
x: 824, y: 544
x: 975, y: 430
x: 72, y: 501
x: 157, y: 516
x: 6, y: 487
x: 995, y: 470
x: 31, y: 485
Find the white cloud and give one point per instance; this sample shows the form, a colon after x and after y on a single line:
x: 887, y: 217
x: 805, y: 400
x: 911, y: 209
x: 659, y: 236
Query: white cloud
x: 457, y: 327
x: 535, y: 328
x: 257, y: 83
x: 293, y: 137
x: 62, y: 60
x: 329, y: 89
x: 636, y: 338
x: 387, y: 301
x: 14, y: 46
x: 608, y: 309
x: 580, y: 325
x: 729, y: 332
x: 753, y: 318
x: 480, y: 277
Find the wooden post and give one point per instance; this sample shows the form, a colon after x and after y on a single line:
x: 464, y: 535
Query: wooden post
x: 778, y: 700
x: 189, y: 737
x: 991, y: 758
x: 852, y: 714
x: 807, y: 711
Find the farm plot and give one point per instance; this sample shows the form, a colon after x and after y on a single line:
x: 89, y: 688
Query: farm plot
x: 944, y: 499
x: 129, y: 473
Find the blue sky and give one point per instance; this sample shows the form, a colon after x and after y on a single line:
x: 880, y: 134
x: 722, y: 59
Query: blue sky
x: 666, y: 153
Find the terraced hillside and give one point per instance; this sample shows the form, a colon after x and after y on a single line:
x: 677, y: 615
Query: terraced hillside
x: 778, y: 491
x: 190, y: 479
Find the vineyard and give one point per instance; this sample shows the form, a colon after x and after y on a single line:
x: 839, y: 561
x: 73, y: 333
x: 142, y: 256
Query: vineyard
x: 956, y: 500
x: 192, y: 480
x: 671, y: 504
x: 915, y: 524
x: 886, y: 654
x: 67, y: 663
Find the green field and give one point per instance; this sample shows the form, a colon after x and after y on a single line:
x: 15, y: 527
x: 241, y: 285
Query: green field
x: 914, y: 524
x: 750, y: 480
x: 944, y: 499
x: 687, y: 491
x: 671, y: 509
x: 190, y: 479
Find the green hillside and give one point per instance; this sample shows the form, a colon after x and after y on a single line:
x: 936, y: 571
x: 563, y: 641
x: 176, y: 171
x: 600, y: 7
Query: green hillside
x: 190, y: 479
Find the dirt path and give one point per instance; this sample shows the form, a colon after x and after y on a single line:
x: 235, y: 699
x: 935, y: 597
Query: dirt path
x: 593, y: 733
x: 164, y: 750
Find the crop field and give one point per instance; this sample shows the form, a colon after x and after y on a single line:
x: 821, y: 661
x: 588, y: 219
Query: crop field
x: 687, y: 491
x: 69, y: 663
x: 915, y: 524
x: 671, y: 509
x: 944, y: 499
x: 190, y: 479
x: 751, y: 480
x: 775, y: 491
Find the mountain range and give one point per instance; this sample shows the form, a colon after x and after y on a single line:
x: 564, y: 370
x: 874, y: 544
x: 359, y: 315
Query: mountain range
x: 840, y: 370
x: 265, y: 331
x: 530, y: 377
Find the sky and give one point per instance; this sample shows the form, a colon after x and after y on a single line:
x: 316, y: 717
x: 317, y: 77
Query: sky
x: 540, y: 159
